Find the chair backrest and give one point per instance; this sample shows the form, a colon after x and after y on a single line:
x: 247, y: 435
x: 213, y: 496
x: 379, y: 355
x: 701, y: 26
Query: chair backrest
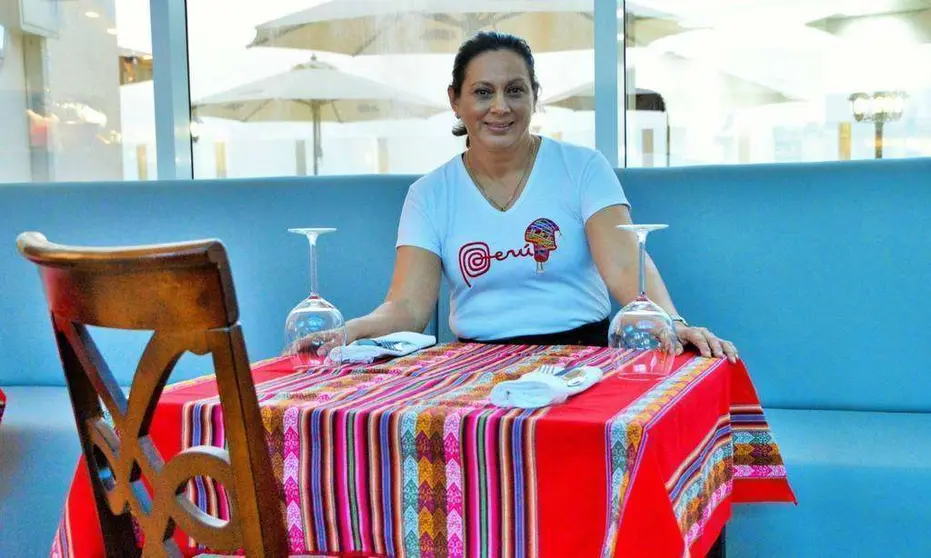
x: 184, y: 294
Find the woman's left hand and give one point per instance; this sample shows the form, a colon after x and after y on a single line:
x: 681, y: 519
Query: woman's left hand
x: 707, y: 343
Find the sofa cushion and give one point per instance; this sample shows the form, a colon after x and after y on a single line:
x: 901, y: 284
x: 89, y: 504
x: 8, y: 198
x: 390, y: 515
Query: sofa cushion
x: 861, y: 479
x: 39, y: 449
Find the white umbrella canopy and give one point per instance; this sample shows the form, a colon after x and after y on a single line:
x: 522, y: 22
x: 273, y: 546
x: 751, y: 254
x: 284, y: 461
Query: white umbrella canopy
x: 359, y: 27
x: 315, y: 92
x: 582, y: 97
x: 673, y: 79
x: 673, y: 76
x: 428, y: 26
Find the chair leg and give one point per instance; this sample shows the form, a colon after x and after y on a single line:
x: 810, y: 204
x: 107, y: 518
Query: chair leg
x: 719, y: 548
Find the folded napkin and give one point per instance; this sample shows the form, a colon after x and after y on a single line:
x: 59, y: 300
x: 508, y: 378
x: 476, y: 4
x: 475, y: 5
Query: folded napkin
x: 536, y: 389
x: 392, y: 345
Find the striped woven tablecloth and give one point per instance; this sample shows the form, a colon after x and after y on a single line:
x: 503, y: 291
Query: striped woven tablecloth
x: 408, y: 457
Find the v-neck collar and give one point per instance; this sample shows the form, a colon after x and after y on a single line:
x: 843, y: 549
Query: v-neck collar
x: 527, y: 183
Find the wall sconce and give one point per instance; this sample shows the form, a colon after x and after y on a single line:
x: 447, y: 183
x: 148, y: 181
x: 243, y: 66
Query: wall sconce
x: 878, y: 108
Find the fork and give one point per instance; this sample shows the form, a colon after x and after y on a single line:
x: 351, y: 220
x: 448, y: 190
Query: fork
x: 566, y: 373
x: 390, y: 345
x: 555, y: 370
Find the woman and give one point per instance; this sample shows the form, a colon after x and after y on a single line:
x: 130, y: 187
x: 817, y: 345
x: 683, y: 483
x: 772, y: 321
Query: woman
x: 523, y: 227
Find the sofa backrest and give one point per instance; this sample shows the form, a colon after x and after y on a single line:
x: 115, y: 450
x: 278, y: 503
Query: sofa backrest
x: 821, y: 273
x: 251, y: 217
x: 818, y: 272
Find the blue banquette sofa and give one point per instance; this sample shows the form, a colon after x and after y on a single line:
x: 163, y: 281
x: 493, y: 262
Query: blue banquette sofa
x: 821, y: 273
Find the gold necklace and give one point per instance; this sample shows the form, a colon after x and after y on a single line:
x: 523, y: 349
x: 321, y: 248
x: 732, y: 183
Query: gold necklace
x: 520, y: 181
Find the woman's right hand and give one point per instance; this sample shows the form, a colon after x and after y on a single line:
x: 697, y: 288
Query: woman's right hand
x: 410, y: 302
x: 352, y: 331
x: 311, y: 346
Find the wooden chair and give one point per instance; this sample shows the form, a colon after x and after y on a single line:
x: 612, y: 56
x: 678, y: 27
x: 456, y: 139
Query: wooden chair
x: 184, y: 293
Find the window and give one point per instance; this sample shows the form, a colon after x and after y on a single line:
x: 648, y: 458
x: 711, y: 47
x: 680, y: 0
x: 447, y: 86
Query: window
x: 74, y: 100
x: 767, y: 81
x: 302, y: 87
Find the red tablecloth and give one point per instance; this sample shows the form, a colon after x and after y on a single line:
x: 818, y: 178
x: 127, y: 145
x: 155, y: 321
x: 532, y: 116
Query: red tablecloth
x: 409, y: 458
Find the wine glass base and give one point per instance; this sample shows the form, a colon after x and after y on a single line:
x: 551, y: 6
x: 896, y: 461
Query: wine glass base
x: 653, y: 365
x: 641, y: 372
x: 645, y: 228
x: 312, y: 230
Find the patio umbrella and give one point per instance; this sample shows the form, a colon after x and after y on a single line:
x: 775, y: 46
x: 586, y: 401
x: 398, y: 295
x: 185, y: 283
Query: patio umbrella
x: 316, y: 92
x: 582, y: 98
x: 675, y: 76
x: 861, y: 24
x: 739, y: 93
x: 357, y: 27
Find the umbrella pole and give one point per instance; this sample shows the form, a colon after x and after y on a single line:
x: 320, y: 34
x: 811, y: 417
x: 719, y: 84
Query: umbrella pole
x: 315, y: 110
x: 300, y: 153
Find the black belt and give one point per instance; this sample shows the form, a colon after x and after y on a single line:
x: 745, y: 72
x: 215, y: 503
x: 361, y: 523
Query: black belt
x: 592, y: 334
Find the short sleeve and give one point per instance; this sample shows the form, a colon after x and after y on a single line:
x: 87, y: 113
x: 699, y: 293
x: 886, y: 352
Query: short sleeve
x: 417, y: 226
x: 599, y: 187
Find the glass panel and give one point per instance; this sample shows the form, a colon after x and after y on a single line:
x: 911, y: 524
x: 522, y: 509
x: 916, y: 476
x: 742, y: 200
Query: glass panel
x: 730, y: 81
x: 265, y: 81
x: 75, y: 91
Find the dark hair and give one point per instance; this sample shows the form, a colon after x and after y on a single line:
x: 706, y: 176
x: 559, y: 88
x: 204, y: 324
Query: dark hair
x: 487, y: 41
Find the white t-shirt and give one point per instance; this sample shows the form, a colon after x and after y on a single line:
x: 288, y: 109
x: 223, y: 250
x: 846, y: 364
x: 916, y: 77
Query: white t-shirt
x: 524, y: 271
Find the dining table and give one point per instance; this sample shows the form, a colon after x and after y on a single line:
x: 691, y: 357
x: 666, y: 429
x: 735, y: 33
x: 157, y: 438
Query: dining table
x: 409, y: 457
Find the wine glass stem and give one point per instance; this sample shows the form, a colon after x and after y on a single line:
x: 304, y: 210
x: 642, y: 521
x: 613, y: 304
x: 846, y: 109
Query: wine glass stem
x: 642, y: 241
x: 314, y: 289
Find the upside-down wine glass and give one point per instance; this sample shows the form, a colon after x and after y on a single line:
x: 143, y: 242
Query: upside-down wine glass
x: 643, y: 325
x: 314, y: 328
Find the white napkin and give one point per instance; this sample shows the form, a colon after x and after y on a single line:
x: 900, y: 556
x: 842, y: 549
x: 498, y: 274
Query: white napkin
x: 364, y: 350
x: 535, y: 389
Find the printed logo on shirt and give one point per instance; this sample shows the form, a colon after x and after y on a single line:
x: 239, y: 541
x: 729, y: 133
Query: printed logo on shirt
x: 542, y: 235
x: 540, y: 239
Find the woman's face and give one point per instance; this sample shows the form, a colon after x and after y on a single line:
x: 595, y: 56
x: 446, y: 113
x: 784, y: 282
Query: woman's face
x: 497, y: 99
